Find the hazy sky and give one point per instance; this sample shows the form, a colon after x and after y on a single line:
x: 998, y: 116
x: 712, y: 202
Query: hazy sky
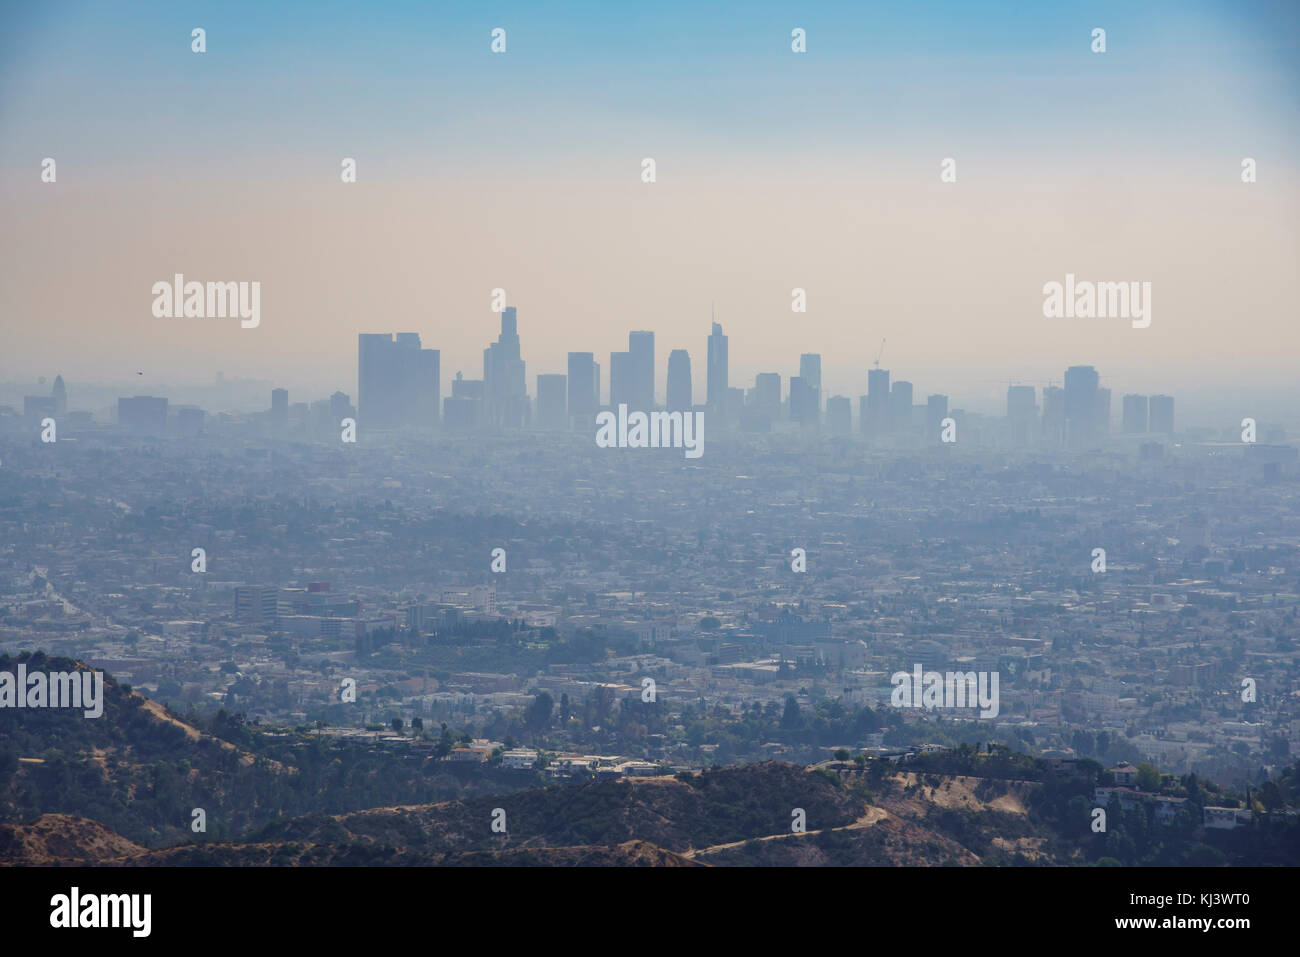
x: 775, y: 170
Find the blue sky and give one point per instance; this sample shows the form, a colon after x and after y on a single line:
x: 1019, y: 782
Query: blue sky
x: 415, y: 82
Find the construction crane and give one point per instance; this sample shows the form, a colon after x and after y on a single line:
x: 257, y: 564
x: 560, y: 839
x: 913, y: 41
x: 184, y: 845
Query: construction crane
x: 880, y: 353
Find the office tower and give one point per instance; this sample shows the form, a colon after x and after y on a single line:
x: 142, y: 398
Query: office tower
x: 426, y: 394
x: 733, y: 404
x: 584, y: 389
x: 37, y: 407
x: 802, y: 411
x: 189, y: 420
x: 900, y: 406
x: 1134, y: 419
x: 936, y: 410
x: 810, y: 370
x: 377, y: 379
x: 767, y: 396
x: 257, y: 603
x: 1081, y: 407
x: 641, y: 346
x: 1101, y: 420
x: 463, y: 410
x: 505, y: 389
x: 839, y: 415
x: 1022, y: 412
x: 398, y: 382
x: 877, y: 401
x: 279, y: 408
x: 552, y: 412
x: 716, y: 384
x: 1054, y: 415
x: 143, y: 413
x: 1162, y: 414
x: 622, y: 373
x: 1020, y: 403
x: 680, y: 395
x: 341, y: 408
x: 60, y: 396
x: 595, y: 381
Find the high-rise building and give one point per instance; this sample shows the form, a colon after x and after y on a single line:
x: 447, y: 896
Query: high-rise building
x: 767, y: 396
x: 680, y: 396
x: 900, y: 406
x: 584, y: 388
x: 398, y: 382
x: 257, y: 603
x: 1101, y: 419
x: 143, y: 413
x: 280, y: 408
x: 716, y: 383
x: 1162, y: 414
x: 936, y: 410
x: 1022, y: 412
x: 803, y: 402
x: 622, y: 381
x: 839, y: 415
x: 505, y: 388
x: 1081, y: 406
x: 60, y: 394
x: 877, y: 401
x: 552, y: 413
x: 341, y: 408
x: 810, y: 370
x: 189, y: 420
x: 1054, y: 415
x: 1134, y: 419
x: 733, y: 404
x: 463, y: 409
x: 641, y: 346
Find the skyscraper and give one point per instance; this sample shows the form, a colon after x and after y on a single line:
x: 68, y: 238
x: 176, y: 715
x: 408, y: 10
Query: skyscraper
x: 279, y: 408
x: 1022, y: 411
x: 680, y: 395
x: 60, y: 394
x: 900, y: 406
x: 810, y: 370
x: 1054, y: 414
x: 398, y: 383
x: 936, y: 410
x: 767, y: 395
x: 839, y: 415
x: 584, y: 397
x: 803, y: 402
x: 1162, y: 414
x: 1135, y: 414
x: 622, y: 381
x: 1081, y: 406
x: 641, y: 346
x: 143, y: 413
x: 505, y: 387
x: 716, y: 384
x: 877, y: 401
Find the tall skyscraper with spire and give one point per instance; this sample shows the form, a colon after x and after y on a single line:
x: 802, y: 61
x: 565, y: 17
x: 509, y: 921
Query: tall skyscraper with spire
x: 504, y: 380
x: 716, y: 395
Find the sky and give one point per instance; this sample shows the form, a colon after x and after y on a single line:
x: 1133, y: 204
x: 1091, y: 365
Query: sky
x: 774, y: 171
